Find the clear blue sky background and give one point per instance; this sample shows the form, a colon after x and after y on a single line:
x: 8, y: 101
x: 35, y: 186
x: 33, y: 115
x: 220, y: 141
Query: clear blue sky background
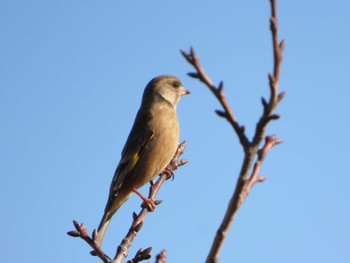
x: 71, y: 79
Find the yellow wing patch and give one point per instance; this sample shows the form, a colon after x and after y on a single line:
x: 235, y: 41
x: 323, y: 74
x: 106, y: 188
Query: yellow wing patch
x: 126, y: 166
x: 137, y: 155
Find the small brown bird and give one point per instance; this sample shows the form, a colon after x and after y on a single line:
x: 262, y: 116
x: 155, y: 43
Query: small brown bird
x: 151, y: 144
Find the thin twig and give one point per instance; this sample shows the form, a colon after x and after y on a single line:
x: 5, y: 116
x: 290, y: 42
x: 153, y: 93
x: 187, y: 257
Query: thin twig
x: 141, y: 255
x: 246, y: 180
x: 123, y: 248
x: 273, y: 79
x: 161, y: 257
x: 82, y: 233
x: 270, y: 141
x: 227, y: 113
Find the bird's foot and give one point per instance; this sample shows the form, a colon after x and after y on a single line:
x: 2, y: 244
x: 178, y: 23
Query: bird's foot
x: 169, y: 171
x: 147, y: 202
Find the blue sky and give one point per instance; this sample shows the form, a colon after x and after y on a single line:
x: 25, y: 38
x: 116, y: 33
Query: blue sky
x: 71, y: 79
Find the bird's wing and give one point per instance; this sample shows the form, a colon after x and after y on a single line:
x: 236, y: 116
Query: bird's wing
x: 140, y: 137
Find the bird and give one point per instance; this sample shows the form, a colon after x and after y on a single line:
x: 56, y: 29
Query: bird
x: 150, y: 146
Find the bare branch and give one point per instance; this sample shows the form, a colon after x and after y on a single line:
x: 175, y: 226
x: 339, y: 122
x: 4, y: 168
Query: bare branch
x: 227, y: 113
x: 270, y: 141
x: 251, y: 148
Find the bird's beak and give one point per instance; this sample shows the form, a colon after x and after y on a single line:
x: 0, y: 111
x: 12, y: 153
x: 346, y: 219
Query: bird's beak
x: 183, y: 91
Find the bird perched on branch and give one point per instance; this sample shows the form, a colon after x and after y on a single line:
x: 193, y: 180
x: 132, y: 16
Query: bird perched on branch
x: 151, y: 145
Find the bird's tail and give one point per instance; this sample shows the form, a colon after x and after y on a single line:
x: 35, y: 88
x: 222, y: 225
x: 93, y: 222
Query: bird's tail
x: 111, y: 208
x: 102, y: 228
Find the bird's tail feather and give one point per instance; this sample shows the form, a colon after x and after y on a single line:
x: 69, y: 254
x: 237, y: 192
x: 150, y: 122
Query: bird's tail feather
x: 111, y: 208
x: 102, y: 228
x: 106, y: 219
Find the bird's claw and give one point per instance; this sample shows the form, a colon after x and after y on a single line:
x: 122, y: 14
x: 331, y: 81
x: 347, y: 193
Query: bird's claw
x: 149, y: 203
x: 169, y: 171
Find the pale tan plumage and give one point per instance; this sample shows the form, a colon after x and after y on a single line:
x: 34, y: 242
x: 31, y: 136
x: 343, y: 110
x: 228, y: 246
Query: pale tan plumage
x: 151, y: 144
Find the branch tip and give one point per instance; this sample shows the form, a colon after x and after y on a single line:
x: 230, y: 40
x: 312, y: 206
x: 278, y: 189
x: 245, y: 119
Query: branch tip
x: 274, y: 117
x: 193, y: 54
x: 183, y: 52
x: 193, y: 75
x: 221, y: 86
x: 186, y: 56
x: 272, y: 140
x: 261, y: 179
x: 264, y: 102
x: 141, y: 255
x: 281, y: 96
x: 77, y: 224
x: 182, y: 162
x: 182, y: 146
x: 282, y: 45
x: 148, y: 250
x: 73, y: 233
x: 278, y: 141
x: 221, y: 113
x: 157, y: 202
x: 161, y: 257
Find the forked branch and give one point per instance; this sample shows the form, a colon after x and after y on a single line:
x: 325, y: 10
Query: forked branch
x: 246, y: 179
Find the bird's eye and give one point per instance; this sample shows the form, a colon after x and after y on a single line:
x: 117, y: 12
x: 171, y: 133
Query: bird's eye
x: 175, y: 84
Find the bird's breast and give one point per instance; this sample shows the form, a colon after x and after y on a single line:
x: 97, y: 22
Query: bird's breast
x: 166, y: 126
x: 166, y: 138
x: 160, y: 150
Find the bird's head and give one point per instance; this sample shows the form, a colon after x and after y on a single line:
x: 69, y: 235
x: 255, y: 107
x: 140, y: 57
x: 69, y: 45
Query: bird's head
x: 164, y: 88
